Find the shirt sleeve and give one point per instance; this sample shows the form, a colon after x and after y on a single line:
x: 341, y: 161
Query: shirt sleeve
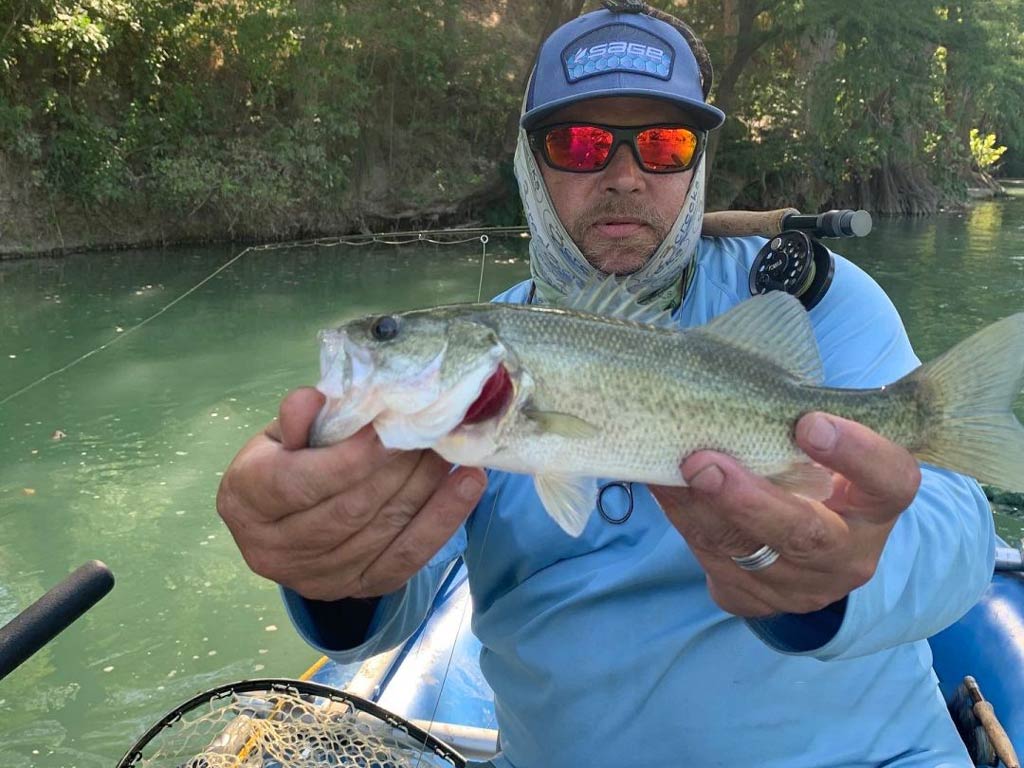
x: 939, y: 557
x: 395, y: 618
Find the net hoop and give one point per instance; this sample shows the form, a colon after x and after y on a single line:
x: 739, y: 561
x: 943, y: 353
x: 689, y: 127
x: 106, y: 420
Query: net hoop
x: 286, y: 686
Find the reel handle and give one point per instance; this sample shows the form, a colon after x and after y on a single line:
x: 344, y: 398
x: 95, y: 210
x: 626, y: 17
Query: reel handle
x: 52, y: 613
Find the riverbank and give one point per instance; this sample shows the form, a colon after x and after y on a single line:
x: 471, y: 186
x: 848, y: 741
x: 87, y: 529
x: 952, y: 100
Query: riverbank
x: 54, y: 230
x: 33, y: 225
x: 994, y: 188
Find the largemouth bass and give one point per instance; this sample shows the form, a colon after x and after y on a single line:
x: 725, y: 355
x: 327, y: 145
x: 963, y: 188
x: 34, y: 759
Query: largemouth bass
x: 606, y: 388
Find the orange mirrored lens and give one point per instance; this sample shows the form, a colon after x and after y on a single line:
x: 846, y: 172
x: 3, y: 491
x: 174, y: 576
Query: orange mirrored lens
x: 588, y: 147
x: 664, y: 149
x: 578, y: 147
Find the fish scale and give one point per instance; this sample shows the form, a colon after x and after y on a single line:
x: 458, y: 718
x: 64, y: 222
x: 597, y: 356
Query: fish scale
x: 657, y: 396
x: 628, y: 395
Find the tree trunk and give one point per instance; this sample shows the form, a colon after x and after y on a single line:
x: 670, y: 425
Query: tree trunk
x: 959, y: 107
x: 307, y: 92
x: 560, y: 12
x: 817, y: 51
x: 742, y: 43
x: 451, y: 35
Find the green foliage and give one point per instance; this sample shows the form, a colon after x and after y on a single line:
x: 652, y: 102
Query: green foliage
x: 262, y: 116
x: 254, y: 112
x: 858, y: 104
x: 984, y: 150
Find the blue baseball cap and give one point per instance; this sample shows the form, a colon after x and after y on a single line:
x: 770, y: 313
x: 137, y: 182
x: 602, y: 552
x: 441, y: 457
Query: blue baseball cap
x: 608, y: 53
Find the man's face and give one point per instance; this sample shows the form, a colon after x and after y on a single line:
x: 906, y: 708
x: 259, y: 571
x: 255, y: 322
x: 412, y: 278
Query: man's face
x: 617, y: 216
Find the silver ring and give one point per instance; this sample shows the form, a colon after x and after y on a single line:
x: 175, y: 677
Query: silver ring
x: 757, y: 561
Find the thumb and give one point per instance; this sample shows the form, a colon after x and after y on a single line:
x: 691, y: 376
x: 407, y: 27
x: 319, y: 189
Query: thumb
x: 298, y: 410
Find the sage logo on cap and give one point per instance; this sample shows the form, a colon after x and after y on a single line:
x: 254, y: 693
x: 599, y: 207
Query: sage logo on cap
x: 617, y: 48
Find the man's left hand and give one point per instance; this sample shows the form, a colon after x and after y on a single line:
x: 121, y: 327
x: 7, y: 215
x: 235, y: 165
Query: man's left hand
x: 827, y: 549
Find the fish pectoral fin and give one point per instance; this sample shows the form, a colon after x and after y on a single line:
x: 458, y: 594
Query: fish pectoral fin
x: 806, y: 479
x: 569, y: 499
x: 564, y: 424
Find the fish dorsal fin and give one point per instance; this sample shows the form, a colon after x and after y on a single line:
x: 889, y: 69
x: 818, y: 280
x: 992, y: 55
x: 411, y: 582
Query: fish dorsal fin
x: 609, y: 296
x: 773, y: 326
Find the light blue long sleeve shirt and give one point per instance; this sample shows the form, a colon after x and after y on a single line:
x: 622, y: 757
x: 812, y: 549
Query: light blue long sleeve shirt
x: 607, y: 651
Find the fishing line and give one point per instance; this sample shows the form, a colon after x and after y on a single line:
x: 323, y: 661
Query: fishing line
x: 129, y: 331
x: 444, y: 679
x: 483, y: 260
x: 396, y: 238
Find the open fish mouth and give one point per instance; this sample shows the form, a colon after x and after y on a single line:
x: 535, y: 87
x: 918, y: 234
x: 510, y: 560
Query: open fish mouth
x: 345, y: 374
x: 344, y: 367
x: 411, y: 412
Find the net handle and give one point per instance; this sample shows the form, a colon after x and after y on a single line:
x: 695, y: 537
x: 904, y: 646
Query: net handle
x: 289, y: 686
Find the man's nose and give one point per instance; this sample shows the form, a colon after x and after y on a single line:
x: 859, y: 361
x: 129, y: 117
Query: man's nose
x: 623, y: 174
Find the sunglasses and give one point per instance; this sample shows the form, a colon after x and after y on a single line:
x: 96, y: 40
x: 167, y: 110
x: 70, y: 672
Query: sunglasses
x: 589, y: 147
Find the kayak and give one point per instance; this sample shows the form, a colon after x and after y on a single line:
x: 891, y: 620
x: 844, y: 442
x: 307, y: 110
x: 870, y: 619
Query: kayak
x: 434, y: 679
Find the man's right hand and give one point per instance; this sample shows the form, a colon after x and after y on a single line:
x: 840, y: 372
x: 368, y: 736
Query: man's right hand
x: 349, y: 520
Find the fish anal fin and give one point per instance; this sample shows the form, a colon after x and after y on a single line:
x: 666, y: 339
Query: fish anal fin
x: 568, y: 499
x: 806, y: 479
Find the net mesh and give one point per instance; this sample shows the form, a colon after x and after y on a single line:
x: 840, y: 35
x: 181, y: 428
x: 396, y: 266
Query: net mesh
x: 285, y: 729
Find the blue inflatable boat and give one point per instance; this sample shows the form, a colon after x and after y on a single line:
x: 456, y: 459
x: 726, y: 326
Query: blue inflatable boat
x: 434, y: 679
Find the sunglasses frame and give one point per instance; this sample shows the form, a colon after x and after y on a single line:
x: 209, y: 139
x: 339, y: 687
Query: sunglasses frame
x: 621, y: 134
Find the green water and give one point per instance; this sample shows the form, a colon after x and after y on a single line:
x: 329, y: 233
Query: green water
x: 152, y: 420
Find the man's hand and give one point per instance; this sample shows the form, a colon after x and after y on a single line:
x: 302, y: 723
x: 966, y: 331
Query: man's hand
x: 827, y: 549
x: 350, y: 520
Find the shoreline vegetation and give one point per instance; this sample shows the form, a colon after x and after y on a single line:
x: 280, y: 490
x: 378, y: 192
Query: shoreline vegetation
x: 125, y: 123
x: 85, y: 232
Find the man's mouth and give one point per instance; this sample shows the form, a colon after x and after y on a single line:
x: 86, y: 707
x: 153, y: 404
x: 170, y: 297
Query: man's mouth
x: 614, y: 227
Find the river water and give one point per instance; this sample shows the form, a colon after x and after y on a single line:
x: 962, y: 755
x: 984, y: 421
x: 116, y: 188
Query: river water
x: 118, y: 457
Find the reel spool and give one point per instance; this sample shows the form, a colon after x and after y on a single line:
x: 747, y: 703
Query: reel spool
x: 795, y: 263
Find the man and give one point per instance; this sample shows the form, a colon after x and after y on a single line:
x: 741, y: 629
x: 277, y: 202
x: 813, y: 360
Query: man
x: 725, y: 623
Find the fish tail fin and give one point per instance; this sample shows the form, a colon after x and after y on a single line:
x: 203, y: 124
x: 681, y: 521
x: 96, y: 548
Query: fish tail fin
x: 971, y: 390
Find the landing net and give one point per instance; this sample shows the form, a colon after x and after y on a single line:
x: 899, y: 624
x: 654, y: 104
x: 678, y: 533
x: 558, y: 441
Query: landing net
x: 285, y: 724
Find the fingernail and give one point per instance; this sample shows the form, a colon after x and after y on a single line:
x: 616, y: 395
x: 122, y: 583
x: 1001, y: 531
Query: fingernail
x: 709, y: 479
x: 822, y: 434
x: 469, y: 487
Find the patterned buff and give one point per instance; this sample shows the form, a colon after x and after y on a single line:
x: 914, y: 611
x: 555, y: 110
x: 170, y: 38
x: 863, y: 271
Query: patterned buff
x: 556, y: 263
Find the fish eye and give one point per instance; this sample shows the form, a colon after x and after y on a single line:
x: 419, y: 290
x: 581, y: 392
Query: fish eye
x: 384, y: 328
